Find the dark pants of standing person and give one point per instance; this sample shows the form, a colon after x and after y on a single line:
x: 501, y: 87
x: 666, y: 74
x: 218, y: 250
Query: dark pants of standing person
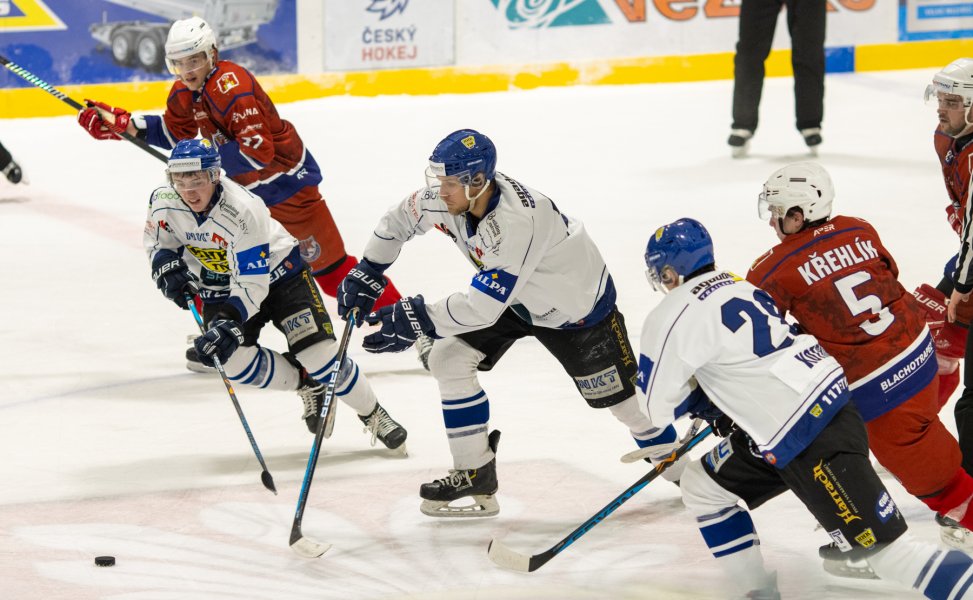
x: 806, y: 24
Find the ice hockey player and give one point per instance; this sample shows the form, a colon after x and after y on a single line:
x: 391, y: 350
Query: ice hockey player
x: 218, y: 240
x: 834, y: 275
x: 536, y: 273
x: 224, y: 103
x: 717, y: 346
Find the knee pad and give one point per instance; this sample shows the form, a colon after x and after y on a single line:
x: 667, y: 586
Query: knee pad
x: 453, y: 363
x: 701, y: 495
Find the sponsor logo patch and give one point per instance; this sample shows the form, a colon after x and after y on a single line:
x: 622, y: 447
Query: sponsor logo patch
x: 840, y: 540
x: 885, y: 508
x: 495, y: 283
x: 866, y: 538
x: 299, y: 325
x: 601, y: 384
x: 718, y: 456
x: 254, y: 261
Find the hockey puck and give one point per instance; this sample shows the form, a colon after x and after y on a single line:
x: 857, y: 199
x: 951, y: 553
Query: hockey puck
x: 105, y: 561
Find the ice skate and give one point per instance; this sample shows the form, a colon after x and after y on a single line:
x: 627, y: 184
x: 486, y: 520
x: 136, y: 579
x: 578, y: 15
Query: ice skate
x: 480, y: 485
x: 424, y: 347
x: 839, y: 564
x: 12, y: 172
x: 739, y: 142
x: 812, y: 137
x: 192, y: 360
x: 312, y: 394
x: 384, y: 429
x: 953, y: 534
x: 768, y: 592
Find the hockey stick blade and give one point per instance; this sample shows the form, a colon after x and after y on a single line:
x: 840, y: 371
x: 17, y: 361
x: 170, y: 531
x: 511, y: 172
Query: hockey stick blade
x: 305, y: 547
x: 504, y: 556
x: 268, y: 481
x: 507, y: 558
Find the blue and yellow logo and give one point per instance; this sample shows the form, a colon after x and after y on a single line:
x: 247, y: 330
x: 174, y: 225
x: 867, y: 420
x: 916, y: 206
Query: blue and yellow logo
x: 28, y: 15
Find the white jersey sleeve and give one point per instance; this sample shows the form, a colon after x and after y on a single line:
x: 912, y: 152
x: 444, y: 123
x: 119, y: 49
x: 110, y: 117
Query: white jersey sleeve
x: 415, y: 215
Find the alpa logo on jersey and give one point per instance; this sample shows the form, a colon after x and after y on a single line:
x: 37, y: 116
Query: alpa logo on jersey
x: 254, y: 261
x: 495, y: 283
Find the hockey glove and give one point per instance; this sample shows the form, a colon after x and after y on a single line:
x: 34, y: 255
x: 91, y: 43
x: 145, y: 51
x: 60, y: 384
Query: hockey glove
x: 97, y: 126
x: 173, y: 278
x: 220, y: 340
x: 401, y: 323
x: 701, y: 407
x: 360, y: 289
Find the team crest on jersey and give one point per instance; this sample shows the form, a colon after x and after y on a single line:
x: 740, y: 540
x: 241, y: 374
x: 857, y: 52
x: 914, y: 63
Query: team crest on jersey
x: 310, y: 249
x: 227, y: 82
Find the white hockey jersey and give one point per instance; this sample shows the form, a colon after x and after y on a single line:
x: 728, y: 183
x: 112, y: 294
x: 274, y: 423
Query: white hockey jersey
x: 528, y: 255
x: 236, y: 250
x: 723, y: 333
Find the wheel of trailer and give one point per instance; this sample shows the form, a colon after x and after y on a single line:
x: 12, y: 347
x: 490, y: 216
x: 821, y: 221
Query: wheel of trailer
x: 150, y: 50
x: 123, y: 46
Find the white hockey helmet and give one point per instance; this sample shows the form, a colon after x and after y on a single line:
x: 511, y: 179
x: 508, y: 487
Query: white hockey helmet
x: 189, y: 37
x: 805, y: 185
x: 956, y: 79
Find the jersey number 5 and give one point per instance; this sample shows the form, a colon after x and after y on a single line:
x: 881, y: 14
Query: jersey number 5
x: 759, y: 314
x: 868, y: 303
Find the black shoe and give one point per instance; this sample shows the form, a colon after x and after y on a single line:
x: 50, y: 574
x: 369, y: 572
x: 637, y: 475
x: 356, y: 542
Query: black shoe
x: 384, y: 428
x: 480, y: 484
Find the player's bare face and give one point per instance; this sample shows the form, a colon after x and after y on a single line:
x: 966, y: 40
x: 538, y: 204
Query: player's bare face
x: 192, y: 70
x: 952, y: 114
x: 195, y: 189
x: 789, y: 224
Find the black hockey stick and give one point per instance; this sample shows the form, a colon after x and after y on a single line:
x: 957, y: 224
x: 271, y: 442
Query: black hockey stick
x: 35, y: 80
x: 301, y: 544
x: 506, y: 557
x: 265, y: 476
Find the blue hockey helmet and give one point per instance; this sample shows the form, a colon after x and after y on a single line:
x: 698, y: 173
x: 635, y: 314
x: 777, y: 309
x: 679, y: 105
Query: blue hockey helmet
x: 684, y: 246
x: 463, y: 154
x: 190, y: 156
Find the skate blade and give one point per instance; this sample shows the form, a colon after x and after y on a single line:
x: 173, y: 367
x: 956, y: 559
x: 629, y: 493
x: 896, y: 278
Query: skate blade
x: 482, y: 506
x: 196, y: 367
x: 849, y: 569
x: 740, y: 151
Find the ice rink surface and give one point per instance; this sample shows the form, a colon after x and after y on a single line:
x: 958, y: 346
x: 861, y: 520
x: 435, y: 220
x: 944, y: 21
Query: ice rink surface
x: 109, y: 446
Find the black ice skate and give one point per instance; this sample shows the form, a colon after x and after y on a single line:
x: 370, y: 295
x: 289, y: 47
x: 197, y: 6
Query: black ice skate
x: 953, y: 534
x: 312, y: 394
x: 192, y: 359
x: 812, y: 137
x: 384, y: 429
x: 12, y: 172
x: 479, y: 484
x: 839, y: 564
x: 739, y: 142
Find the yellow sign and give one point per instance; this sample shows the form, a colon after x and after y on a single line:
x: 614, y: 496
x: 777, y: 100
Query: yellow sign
x: 28, y: 15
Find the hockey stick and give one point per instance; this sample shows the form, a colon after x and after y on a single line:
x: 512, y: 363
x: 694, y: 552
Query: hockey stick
x: 508, y: 558
x: 35, y: 80
x: 265, y: 476
x: 301, y: 544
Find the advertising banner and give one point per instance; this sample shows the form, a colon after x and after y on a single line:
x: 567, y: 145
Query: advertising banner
x: 935, y: 19
x: 387, y: 34
x: 497, y: 31
x: 98, y: 41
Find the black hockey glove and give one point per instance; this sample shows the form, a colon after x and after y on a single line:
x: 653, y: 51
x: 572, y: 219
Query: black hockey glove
x: 360, y: 288
x: 701, y: 407
x: 173, y: 278
x: 402, y: 323
x: 221, y: 340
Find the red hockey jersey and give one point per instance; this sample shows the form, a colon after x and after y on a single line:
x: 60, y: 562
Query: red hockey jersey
x: 841, y: 284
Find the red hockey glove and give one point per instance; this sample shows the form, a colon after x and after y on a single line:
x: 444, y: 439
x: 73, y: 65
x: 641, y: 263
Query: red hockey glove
x: 950, y: 338
x: 100, y: 128
x: 955, y: 219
